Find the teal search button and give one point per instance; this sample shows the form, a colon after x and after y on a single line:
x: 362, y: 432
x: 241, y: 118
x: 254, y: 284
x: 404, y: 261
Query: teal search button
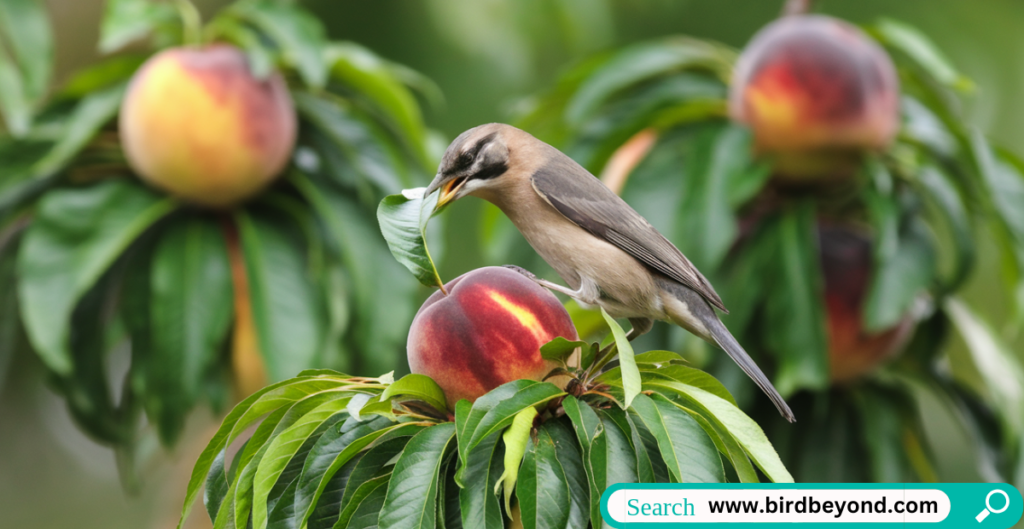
x: 874, y: 505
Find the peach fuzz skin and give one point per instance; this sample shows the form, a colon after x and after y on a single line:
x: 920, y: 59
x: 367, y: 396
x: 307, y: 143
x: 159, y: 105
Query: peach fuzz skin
x: 813, y: 88
x: 487, y: 331
x: 197, y: 124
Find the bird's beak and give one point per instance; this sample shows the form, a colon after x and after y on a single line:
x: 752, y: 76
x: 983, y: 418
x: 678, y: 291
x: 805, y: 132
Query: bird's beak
x: 449, y: 190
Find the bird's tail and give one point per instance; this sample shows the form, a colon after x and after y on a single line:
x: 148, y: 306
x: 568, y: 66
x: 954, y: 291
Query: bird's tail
x: 728, y: 343
x: 689, y: 310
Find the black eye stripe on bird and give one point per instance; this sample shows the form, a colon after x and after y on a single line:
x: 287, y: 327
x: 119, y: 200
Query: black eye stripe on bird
x: 608, y: 254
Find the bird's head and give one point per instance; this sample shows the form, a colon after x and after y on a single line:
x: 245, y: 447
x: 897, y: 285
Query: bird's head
x: 476, y: 160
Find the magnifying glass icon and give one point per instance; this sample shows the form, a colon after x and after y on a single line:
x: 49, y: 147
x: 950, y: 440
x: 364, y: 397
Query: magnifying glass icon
x: 988, y: 506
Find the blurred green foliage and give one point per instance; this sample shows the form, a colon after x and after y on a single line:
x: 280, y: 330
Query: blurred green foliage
x: 105, y: 266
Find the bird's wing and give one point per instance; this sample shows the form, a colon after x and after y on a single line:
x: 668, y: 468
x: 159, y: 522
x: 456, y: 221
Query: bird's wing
x: 585, y: 201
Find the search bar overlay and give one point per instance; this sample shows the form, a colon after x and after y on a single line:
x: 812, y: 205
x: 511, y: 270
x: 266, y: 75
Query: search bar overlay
x: 981, y: 505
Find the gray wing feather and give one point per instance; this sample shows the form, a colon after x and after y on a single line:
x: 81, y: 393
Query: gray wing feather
x: 585, y: 201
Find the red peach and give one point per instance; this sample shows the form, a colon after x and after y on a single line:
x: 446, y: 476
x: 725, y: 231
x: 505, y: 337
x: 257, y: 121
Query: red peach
x: 846, y: 262
x: 816, y: 93
x: 487, y: 331
x: 197, y: 124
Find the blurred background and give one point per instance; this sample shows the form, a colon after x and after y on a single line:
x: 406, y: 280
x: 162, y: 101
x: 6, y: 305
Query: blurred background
x: 486, y: 57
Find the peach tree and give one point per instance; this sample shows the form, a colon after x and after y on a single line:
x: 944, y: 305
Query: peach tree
x: 333, y: 450
x: 824, y: 179
x: 212, y: 229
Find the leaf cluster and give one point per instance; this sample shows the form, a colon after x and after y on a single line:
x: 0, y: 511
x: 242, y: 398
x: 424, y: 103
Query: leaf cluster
x: 330, y: 450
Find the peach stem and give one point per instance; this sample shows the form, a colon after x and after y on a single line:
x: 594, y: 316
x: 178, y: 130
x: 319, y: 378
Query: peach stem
x: 796, y: 7
x: 191, y: 21
x: 247, y: 363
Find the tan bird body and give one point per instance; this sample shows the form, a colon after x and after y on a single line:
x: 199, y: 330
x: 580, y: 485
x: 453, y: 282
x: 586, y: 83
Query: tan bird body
x: 605, y: 251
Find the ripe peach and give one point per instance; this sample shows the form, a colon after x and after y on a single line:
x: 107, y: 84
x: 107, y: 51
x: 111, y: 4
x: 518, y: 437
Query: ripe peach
x: 816, y: 92
x: 846, y: 257
x: 197, y: 124
x: 487, y: 331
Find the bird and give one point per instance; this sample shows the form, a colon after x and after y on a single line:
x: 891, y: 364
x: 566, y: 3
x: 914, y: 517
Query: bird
x: 607, y: 253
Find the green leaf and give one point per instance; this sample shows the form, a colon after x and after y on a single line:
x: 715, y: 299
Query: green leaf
x: 14, y: 103
x: 922, y: 51
x: 216, y: 487
x: 271, y: 399
x: 76, y: 235
x: 951, y: 206
x: 478, y: 503
x: 412, y: 493
x: 718, y: 163
x: 91, y: 113
x: 690, y: 454
x: 885, y: 429
x: 735, y: 422
x: 361, y: 69
x: 26, y: 27
x: 496, y: 410
x: 449, y: 513
x: 380, y: 327
x: 403, y: 221
x: 328, y: 508
x: 354, y: 151
x: 248, y: 459
x: 332, y: 451
x: 573, y: 463
x: 127, y: 21
x: 190, y: 307
x: 923, y: 126
x: 261, y: 63
x: 559, y: 349
x: 1005, y: 186
x: 639, y: 63
x: 611, y: 460
x: 899, y: 280
x: 280, y: 451
x: 794, y: 308
x: 684, y: 374
x: 584, y: 421
x: 373, y: 463
x: 101, y: 75
x: 656, y: 359
x: 514, y: 439
x: 543, y: 490
x: 587, y: 425
x: 366, y: 508
x: 1001, y: 372
x: 644, y: 463
x: 289, y: 312
x: 298, y: 34
x: 728, y: 446
x: 281, y: 505
x: 627, y: 363
x: 693, y: 377
x: 419, y: 387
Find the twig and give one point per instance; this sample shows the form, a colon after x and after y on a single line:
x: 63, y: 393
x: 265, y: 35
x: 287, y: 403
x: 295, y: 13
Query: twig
x: 796, y: 7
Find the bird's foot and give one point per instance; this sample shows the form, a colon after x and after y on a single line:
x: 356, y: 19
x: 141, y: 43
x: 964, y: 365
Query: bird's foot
x: 641, y: 326
x: 524, y: 272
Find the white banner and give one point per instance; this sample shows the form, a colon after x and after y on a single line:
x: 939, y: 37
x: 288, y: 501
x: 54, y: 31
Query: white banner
x: 787, y: 505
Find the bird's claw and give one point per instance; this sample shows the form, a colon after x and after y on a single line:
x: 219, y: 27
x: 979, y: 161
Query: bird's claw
x: 524, y: 272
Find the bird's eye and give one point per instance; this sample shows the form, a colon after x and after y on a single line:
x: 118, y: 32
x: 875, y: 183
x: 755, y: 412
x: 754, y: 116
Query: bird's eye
x: 465, y: 159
